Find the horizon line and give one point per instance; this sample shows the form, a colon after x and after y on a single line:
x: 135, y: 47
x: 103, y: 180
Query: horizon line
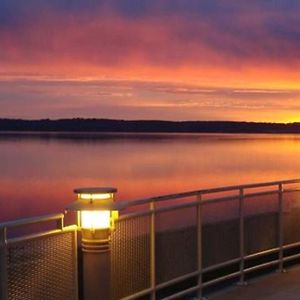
x: 144, y: 120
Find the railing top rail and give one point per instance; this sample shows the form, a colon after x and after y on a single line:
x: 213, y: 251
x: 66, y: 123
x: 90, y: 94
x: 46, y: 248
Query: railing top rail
x: 29, y: 221
x: 41, y: 234
x: 208, y: 191
x: 53, y: 217
x: 196, y: 202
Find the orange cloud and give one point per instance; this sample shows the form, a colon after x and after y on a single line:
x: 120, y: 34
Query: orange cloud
x: 204, y: 46
x: 112, y: 46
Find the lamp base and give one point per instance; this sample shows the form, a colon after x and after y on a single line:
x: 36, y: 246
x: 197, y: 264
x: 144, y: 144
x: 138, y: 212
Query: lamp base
x: 95, y: 240
x: 96, y: 271
x: 95, y: 246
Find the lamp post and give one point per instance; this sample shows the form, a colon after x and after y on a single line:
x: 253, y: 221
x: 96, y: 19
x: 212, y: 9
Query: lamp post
x: 96, y: 213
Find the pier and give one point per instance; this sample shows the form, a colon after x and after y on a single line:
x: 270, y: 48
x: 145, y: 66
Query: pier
x: 234, y: 242
x: 272, y: 287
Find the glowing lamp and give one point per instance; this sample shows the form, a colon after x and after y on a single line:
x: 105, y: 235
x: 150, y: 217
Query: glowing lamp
x: 96, y: 214
x: 96, y: 208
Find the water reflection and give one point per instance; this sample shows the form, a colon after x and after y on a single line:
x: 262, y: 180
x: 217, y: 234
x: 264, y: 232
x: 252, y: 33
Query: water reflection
x: 39, y: 171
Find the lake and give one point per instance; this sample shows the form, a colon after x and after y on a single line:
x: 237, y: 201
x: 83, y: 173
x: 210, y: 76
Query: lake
x: 38, y: 172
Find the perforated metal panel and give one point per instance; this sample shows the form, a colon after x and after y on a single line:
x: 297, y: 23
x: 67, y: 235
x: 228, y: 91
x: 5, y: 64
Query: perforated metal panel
x: 291, y: 217
x: 221, y: 232
x: 42, y: 268
x: 176, y: 244
x: 261, y: 216
x: 2, y: 273
x: 130, y: 254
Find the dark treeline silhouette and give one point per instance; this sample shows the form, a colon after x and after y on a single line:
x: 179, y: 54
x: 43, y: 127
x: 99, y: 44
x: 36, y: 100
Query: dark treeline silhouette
x: 108, y: 125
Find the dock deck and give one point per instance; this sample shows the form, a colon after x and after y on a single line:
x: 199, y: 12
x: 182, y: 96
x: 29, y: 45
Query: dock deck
x: 277, y: 286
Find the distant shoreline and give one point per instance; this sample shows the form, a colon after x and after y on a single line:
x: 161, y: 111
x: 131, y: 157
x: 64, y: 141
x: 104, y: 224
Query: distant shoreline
x: 143, y: 126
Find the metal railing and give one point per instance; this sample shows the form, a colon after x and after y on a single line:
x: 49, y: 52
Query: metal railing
x: 38, y: 265
x: 165, y: 247
x: 249, y: 256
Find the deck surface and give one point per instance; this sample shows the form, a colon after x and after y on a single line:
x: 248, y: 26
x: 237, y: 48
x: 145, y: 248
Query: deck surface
x: 277, y: 286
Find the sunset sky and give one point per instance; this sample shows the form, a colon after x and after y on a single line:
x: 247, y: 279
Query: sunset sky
x: 150, y: 59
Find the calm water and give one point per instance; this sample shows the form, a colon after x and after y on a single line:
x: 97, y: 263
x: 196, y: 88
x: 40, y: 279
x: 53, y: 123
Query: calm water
x: 39, y: 172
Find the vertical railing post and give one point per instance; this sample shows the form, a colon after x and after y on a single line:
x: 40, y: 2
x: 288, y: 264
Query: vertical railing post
x: 152, y: 252
x: 242, y: 236
x: 199, y: 245
x: 60, y: 223
x: 280, y: 226
x: 3, y: 264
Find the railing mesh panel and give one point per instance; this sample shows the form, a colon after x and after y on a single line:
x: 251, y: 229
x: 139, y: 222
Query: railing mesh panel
x: 130, y: 254
x: 291, y: 217
x: 176, y: 243
x: 2, y: 272
x: 220, y: 232
x: 261, y: 223
x: 42, y: 268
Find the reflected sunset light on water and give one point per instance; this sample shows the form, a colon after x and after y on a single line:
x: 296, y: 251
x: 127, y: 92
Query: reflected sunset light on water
x: 39, y: 172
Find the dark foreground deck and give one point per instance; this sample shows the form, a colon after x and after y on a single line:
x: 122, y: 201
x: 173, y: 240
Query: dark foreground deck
x: 277, y: 286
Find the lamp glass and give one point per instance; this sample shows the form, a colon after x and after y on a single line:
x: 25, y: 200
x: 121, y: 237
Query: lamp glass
x: 95, y: 219
x: 95, y: 196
